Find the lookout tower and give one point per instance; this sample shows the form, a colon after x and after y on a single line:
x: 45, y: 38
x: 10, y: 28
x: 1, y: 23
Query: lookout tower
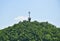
x: 29, y: 18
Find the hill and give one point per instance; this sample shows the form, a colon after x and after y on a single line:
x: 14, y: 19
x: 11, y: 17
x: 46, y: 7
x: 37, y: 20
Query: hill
x: 30, y: 31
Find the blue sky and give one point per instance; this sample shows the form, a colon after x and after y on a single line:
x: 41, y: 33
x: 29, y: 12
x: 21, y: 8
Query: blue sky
x: 12, y: 11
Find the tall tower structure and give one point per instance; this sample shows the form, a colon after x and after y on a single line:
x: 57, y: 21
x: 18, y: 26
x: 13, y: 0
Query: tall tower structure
x: 29, y: 18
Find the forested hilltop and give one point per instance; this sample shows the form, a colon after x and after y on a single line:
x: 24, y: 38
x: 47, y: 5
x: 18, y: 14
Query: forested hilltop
x: 30, y: 31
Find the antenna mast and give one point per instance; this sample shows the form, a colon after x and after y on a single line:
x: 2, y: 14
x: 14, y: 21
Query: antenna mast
x: 29, y: 19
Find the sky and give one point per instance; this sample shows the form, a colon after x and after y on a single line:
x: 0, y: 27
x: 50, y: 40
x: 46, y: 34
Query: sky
x: 13, y: 11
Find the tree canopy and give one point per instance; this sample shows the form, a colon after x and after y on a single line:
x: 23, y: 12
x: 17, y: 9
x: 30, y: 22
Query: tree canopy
x: 30, y: 31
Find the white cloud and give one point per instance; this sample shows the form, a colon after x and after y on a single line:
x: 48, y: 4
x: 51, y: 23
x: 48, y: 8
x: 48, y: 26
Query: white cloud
x: 21, y: 18
x: 16, y: 20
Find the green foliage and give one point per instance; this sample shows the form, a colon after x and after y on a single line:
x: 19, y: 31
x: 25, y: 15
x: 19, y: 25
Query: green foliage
x: 30, y: 31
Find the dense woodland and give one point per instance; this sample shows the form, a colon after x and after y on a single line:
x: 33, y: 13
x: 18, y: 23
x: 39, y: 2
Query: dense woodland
x: 30, y: 31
